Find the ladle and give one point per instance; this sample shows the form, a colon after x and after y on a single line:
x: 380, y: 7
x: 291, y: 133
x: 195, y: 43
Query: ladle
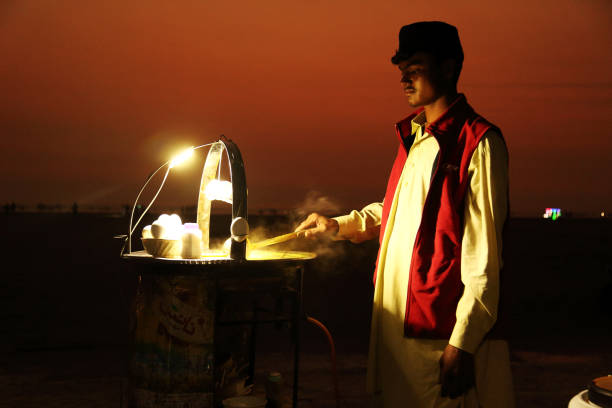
x: 278, y: 239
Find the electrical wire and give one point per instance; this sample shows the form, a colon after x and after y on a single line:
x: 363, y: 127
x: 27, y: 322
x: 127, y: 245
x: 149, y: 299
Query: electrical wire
x: 152, y: 201
x: 132, y: 229
x: 332, y: 349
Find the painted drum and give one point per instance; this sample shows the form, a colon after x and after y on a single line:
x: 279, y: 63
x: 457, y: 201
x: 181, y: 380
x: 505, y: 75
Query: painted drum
x: 245, y: 402
x: 192, y: 324
x: 172, y: 358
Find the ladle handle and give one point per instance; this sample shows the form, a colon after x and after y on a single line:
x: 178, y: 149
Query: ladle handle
x: 277, y: 240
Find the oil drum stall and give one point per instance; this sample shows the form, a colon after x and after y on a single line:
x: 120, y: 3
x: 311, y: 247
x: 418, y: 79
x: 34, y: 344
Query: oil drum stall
x: 197, y: 308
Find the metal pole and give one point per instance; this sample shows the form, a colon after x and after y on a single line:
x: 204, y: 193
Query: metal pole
x: 296, y: 332
x: 252, y: 346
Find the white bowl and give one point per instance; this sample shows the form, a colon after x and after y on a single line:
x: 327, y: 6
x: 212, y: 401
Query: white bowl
x: 162, y: 248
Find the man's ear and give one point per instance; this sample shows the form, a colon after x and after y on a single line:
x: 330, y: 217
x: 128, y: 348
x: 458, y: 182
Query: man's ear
x: 449, y: 69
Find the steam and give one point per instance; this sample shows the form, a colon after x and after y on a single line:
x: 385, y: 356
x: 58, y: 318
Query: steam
x: 328, y: 251
x: 331, y: 255
x: 316, y: 202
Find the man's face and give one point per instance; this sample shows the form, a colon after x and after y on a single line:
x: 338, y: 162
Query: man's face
x: 420, y: 79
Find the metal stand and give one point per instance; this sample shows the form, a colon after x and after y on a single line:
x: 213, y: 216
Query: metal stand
x: 298, y: 313
x: 294, y: 320
x: 234, y: 290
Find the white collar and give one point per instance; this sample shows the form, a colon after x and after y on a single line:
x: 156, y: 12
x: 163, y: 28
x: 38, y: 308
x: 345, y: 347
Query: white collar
x: 417, y: 122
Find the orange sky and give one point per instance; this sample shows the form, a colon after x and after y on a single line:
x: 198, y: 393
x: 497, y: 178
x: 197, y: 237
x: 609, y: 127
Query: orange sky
x: 94, y: 95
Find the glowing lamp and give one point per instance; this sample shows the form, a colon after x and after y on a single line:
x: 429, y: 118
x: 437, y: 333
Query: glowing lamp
x: 181, y: 157
x: 212, y: 188
x: 175, y: 161
x: 219, y: 190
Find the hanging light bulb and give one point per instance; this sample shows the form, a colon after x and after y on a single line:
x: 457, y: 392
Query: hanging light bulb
x: 181, y: 157
x: 219, y: 190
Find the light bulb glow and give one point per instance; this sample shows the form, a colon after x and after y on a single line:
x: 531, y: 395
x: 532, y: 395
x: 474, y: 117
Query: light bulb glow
x: 181, y: 157
x: 219, y: 190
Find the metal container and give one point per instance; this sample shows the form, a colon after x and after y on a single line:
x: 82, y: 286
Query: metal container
x: 194, y: 325
x: 194, y: 321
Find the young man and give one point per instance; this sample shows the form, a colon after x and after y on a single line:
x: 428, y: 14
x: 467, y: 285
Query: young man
x: 440, y: 226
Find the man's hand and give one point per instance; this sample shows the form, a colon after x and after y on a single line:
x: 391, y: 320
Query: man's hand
x: 316, y: 224
x: 456, y: 371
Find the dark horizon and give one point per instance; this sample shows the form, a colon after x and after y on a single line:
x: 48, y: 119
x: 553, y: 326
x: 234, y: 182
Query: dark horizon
x: 190, y: 210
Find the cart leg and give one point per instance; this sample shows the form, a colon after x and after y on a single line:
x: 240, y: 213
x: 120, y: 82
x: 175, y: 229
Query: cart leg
x: 297, y: 321
x: 252, y: 346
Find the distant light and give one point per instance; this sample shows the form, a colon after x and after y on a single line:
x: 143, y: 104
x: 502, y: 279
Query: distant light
x: 181, y: 157
x: 552, y: 213
x: 603, y: 214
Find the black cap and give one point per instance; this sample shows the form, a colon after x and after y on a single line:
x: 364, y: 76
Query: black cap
x: 434, y: 37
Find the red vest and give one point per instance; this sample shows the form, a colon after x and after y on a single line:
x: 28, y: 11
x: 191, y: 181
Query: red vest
x: 434, y: 285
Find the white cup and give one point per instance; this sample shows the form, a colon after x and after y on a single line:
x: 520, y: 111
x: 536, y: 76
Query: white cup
x: 192, y: 243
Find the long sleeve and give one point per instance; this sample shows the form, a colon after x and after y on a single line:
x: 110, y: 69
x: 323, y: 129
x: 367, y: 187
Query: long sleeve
x: 359, y: 226
x: 486, y: 206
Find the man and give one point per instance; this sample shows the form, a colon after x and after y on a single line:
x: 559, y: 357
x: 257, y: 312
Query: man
x: 440, y: 226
